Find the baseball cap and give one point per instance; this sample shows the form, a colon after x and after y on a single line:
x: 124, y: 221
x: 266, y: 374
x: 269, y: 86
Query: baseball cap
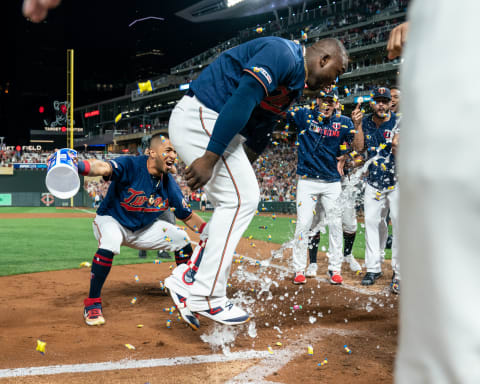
x: 381, y: 92
x: 332, y: 93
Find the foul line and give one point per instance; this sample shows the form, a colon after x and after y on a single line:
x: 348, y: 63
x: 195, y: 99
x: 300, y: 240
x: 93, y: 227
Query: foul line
x: 84, y: 210
x: 131, y: 364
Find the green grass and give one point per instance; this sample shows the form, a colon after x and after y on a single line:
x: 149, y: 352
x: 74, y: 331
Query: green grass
x: 34, y: 245
x: 43, y: 210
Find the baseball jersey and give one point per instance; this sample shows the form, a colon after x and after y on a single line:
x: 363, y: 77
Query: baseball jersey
x: 275, y: 62
x: 381, y: 172
x: 128, y: 199
x: 319, y: 142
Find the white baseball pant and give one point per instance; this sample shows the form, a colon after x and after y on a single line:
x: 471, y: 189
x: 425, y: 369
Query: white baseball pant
x: 110, y: 235
x: 440, y: 196
x: 232, y: 190
x: 308, y: 192
x: 376, y: 209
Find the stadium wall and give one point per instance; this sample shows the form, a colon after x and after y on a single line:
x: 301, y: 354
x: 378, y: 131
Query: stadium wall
x: 26, y: 188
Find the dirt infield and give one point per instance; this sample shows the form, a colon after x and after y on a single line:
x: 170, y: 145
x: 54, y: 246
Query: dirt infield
x: 48, y: 306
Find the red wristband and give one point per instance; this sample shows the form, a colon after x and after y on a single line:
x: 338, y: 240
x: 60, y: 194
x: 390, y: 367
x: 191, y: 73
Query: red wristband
x: 84, y: 167
x: 202, y: 227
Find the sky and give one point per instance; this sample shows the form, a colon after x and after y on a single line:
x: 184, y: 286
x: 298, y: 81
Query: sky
x: 33, y: 60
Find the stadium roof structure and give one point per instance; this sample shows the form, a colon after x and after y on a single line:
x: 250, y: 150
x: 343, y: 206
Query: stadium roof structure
x: 210, y: 10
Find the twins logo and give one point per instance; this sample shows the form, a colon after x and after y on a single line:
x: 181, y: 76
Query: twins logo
x: 381, y: 90
x: 136, y: 200
x: 336, y: 126
x: 387, y: 134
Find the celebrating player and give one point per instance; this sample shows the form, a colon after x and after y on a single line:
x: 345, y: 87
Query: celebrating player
x: 238, y: 97
x: 381, y: 191
x: 321, y: 134
x: 141, y: 190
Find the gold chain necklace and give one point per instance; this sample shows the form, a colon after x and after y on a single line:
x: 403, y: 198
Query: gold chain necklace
x: 151, y: 199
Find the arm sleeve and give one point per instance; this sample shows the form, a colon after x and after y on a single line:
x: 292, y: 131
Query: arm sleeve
x: 121, y: 169
x: 177, y: 200
x: 235, y: 113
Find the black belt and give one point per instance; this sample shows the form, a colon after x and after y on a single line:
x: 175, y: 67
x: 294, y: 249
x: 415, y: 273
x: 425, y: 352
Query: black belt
x: 190, y: 93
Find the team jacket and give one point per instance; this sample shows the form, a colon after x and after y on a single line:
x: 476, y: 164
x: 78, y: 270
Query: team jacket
x: 319, y: 143
x: 381, y: 172
x: 275, y: 62
x: 127, y: 199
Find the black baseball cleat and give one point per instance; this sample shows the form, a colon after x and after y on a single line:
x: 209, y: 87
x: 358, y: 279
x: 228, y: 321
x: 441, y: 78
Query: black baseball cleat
x: 142, y: 254
x: 371, y: 277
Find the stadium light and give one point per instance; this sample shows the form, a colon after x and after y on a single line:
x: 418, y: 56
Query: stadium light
x: 231, y: 3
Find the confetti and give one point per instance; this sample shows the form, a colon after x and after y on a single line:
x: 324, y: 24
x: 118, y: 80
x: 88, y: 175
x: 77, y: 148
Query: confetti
x: 157, y: 262
x: 169, y: 323
x: 324, y: 362
x: 41, y: 346
x: 348, y: 350
x: 85, y: 264
x: 278, y: 344
x: 310, y: 350
x: 139, y: 325
x: 133, y: 301
x: 130, y: 346
x: 136, y: 278
x: 270, y: 350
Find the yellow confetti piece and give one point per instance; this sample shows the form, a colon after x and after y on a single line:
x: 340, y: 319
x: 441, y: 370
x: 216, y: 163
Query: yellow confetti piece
x: 139, y: 325
x: 130, y: 346
x: 136, y: 278
x: 343, y: 147
x: 85, y: 264
x: 270, y: 350
x: 41, y: 346
x: 133, y: 301
x: 383, y: 166
x: 278, y: 344
x: 310, y: 350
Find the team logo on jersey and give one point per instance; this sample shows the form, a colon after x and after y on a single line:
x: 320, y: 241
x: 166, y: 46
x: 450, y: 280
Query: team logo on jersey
x: 264, y: 73
x: 387, y: 134
x: 336, y: 126
x: 135, y: 202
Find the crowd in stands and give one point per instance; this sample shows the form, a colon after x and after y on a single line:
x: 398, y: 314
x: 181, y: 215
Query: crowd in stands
x: 314, y: 22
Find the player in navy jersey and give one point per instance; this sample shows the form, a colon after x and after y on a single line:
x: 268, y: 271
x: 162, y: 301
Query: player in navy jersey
x: 236, y: 99
x: 381, y: 191
x: 142, y: 189
x: 321, y: 134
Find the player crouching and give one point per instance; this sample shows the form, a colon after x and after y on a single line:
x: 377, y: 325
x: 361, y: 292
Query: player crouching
x: 141, y: 190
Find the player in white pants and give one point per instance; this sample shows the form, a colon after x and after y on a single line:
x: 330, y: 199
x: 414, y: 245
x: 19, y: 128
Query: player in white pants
x: 439, y: 201
x: 239, y: 97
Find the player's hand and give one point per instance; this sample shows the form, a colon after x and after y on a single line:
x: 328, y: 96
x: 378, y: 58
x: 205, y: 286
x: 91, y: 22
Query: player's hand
x: 396, y: 40
x: 395, y: 141
x: 357, y: 115
x: 37, y: 10
x: 200, y: 171
x: 341, y: 164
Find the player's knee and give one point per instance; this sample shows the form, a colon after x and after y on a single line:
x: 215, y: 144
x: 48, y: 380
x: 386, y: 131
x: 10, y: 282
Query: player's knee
x: 250, y: 199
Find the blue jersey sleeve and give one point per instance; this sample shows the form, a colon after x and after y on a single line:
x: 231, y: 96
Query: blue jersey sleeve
x: 177, y: 200
x: 122, y: 169
x: 272, y: 66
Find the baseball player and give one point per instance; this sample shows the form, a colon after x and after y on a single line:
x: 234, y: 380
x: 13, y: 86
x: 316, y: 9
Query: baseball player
x: 349, y: 222
x: 322, y: 132
x: 141, y: 190
x: 381, y: 191
x: 236, y: 99
x: 439, y: 333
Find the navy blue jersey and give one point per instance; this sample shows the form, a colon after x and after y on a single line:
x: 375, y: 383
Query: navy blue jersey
x: 275, y: 62
x: 319, y: 142
x: 381, y: 173
x: 127, y: 199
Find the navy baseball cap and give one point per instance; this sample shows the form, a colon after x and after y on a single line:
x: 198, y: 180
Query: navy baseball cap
x: 331, y: 93
x: 381, y: 92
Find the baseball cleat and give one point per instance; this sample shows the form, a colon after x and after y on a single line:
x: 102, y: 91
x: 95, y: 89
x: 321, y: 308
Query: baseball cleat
x: 179, y: 302
x: 371, y: 277
x: 228, y: 314
x: 299, y: 278
x: 92, y: 311
x: 334, y: 277
x: 395, y: 285
x: 353, y: 263
x: 311, y: 270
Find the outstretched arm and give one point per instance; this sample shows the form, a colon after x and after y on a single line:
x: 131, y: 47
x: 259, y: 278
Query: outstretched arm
x: 94, y: 167
x: 396, y: 40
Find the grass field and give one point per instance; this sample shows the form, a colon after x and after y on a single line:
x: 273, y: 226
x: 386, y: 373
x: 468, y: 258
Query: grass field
x: 46, y: 244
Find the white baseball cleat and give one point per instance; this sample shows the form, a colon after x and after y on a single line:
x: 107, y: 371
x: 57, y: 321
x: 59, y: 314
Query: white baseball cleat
x: 353, y: 263
x: 311, y: 270
x: 228, y: 314
x: 179, y: 302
